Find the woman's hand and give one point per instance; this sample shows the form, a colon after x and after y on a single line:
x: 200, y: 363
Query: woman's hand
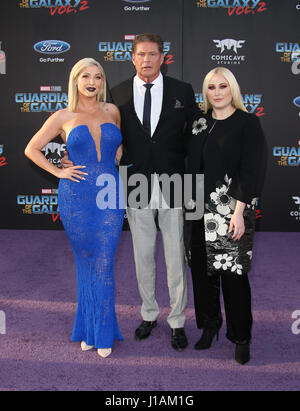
x: 237, y: 224
x: 72, y: 173
x: 119, y: 154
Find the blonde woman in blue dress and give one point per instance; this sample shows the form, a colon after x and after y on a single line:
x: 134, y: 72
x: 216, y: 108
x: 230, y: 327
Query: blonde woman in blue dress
x: 90, y: 127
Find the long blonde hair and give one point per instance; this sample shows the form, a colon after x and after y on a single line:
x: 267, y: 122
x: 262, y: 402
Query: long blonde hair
x: 76, y: 70
x: 237, y: 100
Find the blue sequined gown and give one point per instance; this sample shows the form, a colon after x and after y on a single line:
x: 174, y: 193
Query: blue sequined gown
x: 93, y: 232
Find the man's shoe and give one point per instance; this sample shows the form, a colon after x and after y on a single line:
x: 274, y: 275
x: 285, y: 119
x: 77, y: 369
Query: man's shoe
x: 144, y: 330
x: 179, y: 341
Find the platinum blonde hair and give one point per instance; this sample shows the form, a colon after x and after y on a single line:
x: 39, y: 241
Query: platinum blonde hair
x: 237, y: 100
x: 75, y: 72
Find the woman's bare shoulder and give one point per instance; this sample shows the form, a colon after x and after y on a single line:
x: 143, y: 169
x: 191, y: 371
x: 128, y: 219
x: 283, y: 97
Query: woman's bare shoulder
x: 112, y: 111
x: 110, y: 108
x: 61, y: 117
x: 64, y: 114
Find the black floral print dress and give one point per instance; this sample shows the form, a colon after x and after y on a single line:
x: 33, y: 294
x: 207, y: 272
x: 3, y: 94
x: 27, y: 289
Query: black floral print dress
x: 230, y: 153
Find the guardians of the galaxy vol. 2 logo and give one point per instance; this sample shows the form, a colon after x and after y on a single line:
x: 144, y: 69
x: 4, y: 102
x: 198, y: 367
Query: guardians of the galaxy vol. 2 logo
x: 121, y: 51
x: 38, y: 204
x: 50, y: 101
x: 56, y: 7
x: 235, y: 7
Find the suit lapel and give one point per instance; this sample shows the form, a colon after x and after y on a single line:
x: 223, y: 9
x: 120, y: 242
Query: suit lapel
x: 166, y: 104
x: 132, y: 108
x: 167, y: 99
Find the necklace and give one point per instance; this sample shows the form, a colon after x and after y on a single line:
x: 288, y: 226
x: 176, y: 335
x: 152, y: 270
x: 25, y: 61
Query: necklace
x: 212, y: 127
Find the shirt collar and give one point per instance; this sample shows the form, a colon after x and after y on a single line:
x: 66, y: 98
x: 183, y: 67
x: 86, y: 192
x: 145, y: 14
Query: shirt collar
x: 158, y: 82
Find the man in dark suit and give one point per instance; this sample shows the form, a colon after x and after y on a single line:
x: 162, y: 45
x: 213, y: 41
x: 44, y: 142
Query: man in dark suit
x: 156, y: 113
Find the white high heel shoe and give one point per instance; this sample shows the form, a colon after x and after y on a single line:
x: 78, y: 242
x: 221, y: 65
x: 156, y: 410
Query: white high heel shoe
x: 86, y: 347
x: 104, y: 352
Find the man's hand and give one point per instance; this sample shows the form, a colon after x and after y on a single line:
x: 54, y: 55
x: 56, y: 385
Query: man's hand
x: 65, y: 162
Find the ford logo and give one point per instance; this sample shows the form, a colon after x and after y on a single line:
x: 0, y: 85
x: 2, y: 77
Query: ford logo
x: 297, y: 101
x: 51, y: 47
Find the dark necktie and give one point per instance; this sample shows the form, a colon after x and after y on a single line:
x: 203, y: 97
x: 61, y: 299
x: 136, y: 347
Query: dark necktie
x: 147, y: 109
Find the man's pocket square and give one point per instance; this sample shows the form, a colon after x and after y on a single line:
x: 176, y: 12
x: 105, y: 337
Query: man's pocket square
x: 178, y: 104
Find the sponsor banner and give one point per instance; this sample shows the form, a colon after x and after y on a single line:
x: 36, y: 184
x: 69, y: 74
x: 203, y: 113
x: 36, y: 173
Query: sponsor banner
x: 246, y: 36
x: 54, y: 153
x: 121, y: 51
x: 51, y: 48
x: 229, y: 52
x: 2, y: 60
x: 296, y: 67
x: 295, y: 213
x: 136, y: 5
x: 235, y: 7
x: 297, y: 102
x: 287, y: 156
x: 252, y: 102
x: 38, y: 204
x: 44, y: 204
x: 57, y: 7
x: 289, y: 51
x: 3, y: 160
x: 44, y: 101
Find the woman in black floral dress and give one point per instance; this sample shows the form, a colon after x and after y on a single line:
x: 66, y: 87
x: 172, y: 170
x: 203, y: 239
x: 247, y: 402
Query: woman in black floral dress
x: 227, y: 145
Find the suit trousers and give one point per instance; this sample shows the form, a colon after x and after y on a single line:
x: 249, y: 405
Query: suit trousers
x: 236, y: 294
x: 143, y: 228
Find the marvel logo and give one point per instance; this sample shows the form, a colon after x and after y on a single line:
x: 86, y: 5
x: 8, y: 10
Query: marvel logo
x: 129, y: 37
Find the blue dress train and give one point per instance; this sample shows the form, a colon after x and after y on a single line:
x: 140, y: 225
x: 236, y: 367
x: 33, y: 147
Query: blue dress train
x: 94, y: 232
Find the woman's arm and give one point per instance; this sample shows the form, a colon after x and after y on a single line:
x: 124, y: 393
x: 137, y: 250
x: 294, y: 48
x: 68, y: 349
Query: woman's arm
x: 51, y: 128
x: 250, y: 175
x: 248, y: 182
x: 115, y: 113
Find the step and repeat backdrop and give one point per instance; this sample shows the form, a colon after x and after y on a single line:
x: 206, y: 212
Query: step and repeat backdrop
x: 40, y: 41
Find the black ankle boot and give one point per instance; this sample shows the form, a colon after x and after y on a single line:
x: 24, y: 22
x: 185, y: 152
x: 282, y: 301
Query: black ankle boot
x: 207, y: 338
x: 242, y: 353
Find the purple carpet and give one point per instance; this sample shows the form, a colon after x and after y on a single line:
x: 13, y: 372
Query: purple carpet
x: 38, y: 299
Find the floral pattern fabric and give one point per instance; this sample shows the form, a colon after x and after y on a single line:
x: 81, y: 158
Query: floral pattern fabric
x: 223, y: 254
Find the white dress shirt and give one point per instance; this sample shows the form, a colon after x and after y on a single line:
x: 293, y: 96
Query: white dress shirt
x: 156, y: 99
x: 156, y: 106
